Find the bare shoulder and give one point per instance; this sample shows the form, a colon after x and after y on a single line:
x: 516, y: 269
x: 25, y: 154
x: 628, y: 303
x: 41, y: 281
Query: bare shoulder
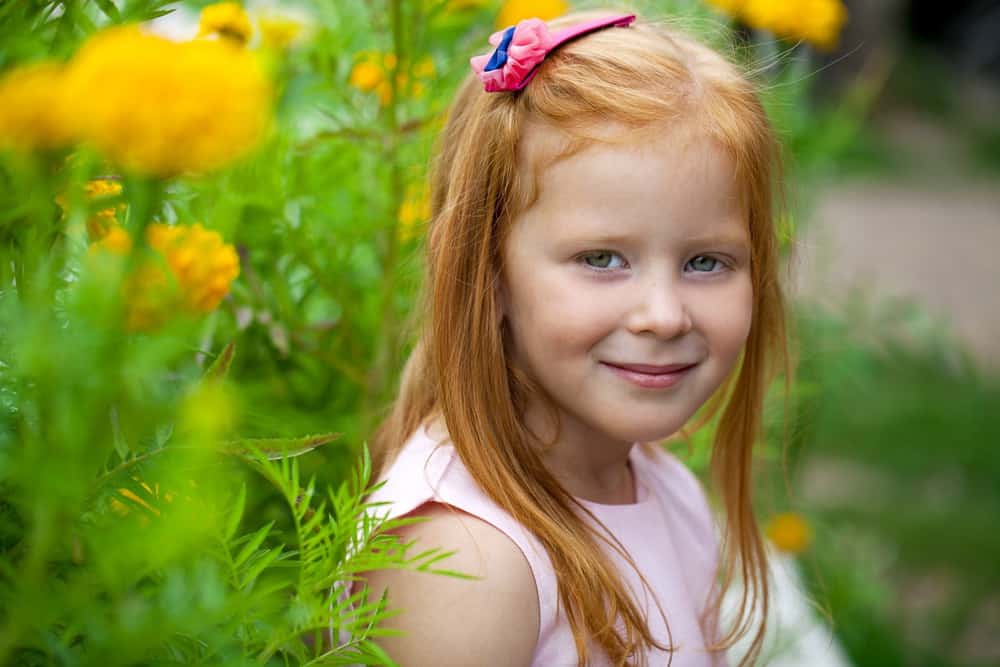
x: 450, y: 621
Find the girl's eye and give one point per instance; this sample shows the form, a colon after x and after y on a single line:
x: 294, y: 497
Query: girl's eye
x: 603, y: 259
x: 704, y: 264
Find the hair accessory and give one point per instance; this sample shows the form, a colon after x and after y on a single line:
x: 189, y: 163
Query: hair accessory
x: 521, y: 49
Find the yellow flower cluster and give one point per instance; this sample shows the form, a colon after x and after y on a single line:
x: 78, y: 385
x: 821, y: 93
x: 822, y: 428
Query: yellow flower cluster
x: 165, y: 107
x: 789, y: 532
x: 102, y: 220
x: 201, y: 266
x: 373, y: 72
x: 227, y: 20
x: 818, y: 22
x: 152, y: 105
x: 32, y: 109
x: 513, y: 11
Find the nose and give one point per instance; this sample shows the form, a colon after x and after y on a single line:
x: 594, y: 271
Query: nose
x: 659, y: 308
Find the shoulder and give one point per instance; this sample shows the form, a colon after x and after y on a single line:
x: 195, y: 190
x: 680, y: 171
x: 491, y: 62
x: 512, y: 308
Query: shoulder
x: 454, y: 621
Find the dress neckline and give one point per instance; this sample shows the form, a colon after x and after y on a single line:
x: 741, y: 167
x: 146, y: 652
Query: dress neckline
x: 642, y: 494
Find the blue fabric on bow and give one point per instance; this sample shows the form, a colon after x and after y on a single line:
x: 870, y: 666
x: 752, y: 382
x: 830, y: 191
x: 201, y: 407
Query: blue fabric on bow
x: 499, y: 57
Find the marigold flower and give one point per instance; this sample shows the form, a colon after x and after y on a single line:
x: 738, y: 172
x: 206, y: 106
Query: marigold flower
x: 513, y: 11
x: 818, y: 22
x: 115, y: 240
x: 102, y: 220
x: 194, y: 273
x: 374, y: 70
x: 822, y: 23
x: 366, y: 75
x: 790, y: 532
x: 227, y: 20
x: 203, y: 264
x: 32, y: 108
x: 162, y: 107
x: 779, y: 17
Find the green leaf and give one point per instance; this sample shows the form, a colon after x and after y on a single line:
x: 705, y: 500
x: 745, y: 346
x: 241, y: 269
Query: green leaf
x: 278, y: 448
x: 255, y: 541
x: 220, y: 367
x: 121, y: 445
x: 266, y: 558
x: 236, y: 513
x: 110, y: 10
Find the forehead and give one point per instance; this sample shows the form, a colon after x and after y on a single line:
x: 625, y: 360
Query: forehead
x: 663, y: 173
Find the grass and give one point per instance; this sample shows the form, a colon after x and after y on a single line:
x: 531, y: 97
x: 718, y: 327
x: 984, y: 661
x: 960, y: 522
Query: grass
x: 895, y: 459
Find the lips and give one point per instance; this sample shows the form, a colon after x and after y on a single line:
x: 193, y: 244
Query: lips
x: 650, y: 376
x: 651, y: 369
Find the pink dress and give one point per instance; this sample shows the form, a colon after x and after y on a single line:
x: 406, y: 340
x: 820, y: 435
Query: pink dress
x: 669, y: 532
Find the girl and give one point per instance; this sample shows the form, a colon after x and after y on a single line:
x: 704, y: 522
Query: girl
x: 601, y: 264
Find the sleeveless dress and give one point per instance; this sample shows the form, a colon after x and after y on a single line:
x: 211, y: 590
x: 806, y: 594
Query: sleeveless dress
x: 669, y: 533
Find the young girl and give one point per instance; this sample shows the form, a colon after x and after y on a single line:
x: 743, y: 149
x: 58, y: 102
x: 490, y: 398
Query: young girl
x: 602, y: 263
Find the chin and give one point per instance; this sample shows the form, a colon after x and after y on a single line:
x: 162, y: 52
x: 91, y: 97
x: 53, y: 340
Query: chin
x: 647, y: 432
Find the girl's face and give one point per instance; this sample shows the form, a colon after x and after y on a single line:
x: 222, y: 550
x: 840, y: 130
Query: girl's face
x: 627, y: 284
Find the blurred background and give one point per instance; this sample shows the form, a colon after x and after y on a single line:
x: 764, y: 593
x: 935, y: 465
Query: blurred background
x: 896, y: 282
x: 287, y: 223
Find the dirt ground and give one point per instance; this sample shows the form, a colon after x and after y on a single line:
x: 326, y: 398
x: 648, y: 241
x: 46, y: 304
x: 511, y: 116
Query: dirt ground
x: 935, y: 243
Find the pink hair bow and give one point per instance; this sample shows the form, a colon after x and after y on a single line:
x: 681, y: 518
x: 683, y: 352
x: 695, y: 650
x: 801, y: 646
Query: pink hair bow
x: 521, y: 49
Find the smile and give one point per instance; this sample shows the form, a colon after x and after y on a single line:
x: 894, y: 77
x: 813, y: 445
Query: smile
x: 648, y: 376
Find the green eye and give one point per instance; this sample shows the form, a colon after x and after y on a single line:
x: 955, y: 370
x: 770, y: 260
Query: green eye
x: 602, y: 259
x: 704, y: 263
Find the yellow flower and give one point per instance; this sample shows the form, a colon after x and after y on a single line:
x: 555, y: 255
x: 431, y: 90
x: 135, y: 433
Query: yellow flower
x: 162, y: 107
x: 822, y: 22
x: 193, y: 273
x: 278, y: 32
x: 32, y: 108
x: 203, y: 264
x: 366, y: 75
x: 115, y: 240
x: 227, y: 20
x: 513, y: 11
x: 103, y: 219
x: 413, y: 214
x: 779, y: 17
x: 790, y: 532
x: 818, y: 22
x: 374, y: 70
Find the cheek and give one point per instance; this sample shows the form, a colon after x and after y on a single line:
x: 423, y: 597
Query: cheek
x: 553, y: 314
x: 726, y: 320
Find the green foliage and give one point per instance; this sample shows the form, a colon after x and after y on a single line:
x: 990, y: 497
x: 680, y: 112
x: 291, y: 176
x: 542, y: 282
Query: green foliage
x: 902, y: 428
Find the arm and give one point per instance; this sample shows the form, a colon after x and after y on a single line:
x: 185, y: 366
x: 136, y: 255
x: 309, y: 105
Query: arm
x: 460, y: 622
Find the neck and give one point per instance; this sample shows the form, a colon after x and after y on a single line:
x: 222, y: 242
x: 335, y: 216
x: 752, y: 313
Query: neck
x: 588, y: 464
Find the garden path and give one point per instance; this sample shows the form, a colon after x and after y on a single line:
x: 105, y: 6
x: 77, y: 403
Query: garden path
x: 938, y: 244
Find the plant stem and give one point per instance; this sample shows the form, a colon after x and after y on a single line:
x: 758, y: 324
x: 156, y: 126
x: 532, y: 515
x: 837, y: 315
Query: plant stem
x: 385, y: 351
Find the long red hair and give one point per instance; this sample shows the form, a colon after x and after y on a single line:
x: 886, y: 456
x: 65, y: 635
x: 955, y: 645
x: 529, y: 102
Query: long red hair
x: 642, y: 76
